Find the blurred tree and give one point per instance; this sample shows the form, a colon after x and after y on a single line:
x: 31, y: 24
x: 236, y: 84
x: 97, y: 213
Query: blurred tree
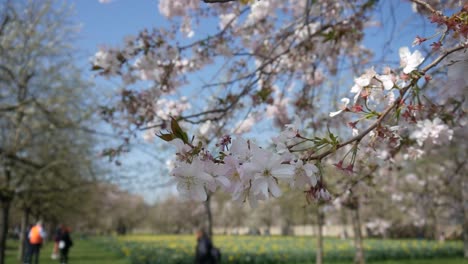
x: 44, y: 150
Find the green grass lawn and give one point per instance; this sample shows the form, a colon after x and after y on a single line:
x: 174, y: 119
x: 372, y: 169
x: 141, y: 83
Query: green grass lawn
x: 179, y: 249
x: 95, y: 251
x: 82, y: 252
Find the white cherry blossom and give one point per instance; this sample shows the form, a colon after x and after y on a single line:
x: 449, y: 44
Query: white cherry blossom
x: 387, y: 81
x: 265, y: 169
x: 343, y: 107
x: 410, y: 61
x: 304, y: 175
x: 361, y: 82
x: 233, y: 172
x: 217, y: 171
x: 192, y: 179
x: 435, y: 131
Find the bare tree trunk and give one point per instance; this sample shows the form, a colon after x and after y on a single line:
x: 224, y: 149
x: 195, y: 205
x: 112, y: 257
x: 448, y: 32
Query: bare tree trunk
x: 465, y: 214
x: 209, y: 216
x: 320, y: 221
x: 5, y: 212
x: 22, y: 238
x: 359, y: 257
x: 344, y: 222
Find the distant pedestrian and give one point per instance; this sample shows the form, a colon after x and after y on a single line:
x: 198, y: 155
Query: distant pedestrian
x: 64, y: 244
x: 36, y: 236
x: 57, y: 235
x: 442, y: 237
x: 205, y: 252
x: 26, y: 244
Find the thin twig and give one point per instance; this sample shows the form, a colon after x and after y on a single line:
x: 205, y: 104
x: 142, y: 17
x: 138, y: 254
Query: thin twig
x: 217, y: 1
x: 426, y: 5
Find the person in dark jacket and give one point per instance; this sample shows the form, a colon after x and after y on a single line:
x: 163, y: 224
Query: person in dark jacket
x: 57, y: 235
x: 64, y: 245
x: 204, y: 249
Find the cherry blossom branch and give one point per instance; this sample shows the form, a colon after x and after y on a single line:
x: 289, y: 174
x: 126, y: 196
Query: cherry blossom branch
x: 218, y: 1
x: 426, y: 5
x: 217, y: 35
x: 443, y: 55
x: 390, y: 108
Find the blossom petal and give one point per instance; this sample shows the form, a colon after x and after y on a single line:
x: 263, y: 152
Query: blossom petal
x: 274, y: 188
x: 199, y: 193
x: 223, y: 180
x: 332, y: 114
x: 283, y: 171
x: 260, y: 186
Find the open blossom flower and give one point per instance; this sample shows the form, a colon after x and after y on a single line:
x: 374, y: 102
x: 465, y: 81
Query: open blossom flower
x: 107, y: 60
x: 247, y: 195
x: 434, y: 130
x: 264, y: 170
x: 413, y: 153
x: 361, y: 82
x: 182, y: 150
x: 233, y: 172
x: 288, y: 136
x: 304, y: 175
x: 217, y: 171
x: 192, y: 179
x: 343, y: 107
x: 241, y: 149
x: 410, y: 61
x: 387, y: 81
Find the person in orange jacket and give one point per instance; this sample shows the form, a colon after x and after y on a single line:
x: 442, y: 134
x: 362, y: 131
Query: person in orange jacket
x: 36, y: 236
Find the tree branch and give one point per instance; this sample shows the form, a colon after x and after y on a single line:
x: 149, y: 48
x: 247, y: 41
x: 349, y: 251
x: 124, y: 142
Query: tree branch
x: 20, y: 159
x: 218, y: 1
x: 426, y: 5
x: 390, y: 108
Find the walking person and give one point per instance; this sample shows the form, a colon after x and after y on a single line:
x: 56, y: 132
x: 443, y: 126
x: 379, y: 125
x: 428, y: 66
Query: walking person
x: 64, y: 244
x: 57, y: 235
x: 205, y: 252
x: 26, y: 245
x: 36, y: 236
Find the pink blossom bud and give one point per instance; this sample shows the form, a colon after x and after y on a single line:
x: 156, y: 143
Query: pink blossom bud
x: 404, y: 77
x: 418, y: 40
x: 339, y: 165
x: 436, y: 45
x: 356, y: 108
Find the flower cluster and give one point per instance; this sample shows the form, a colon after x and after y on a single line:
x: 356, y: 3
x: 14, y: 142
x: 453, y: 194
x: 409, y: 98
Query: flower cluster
x: 271, y: 70
x: 245, y: 170
x: 434, y: 131
x: 372, y: 89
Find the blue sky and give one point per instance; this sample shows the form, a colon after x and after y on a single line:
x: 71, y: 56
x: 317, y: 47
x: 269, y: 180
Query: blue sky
x: 108, y: 24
